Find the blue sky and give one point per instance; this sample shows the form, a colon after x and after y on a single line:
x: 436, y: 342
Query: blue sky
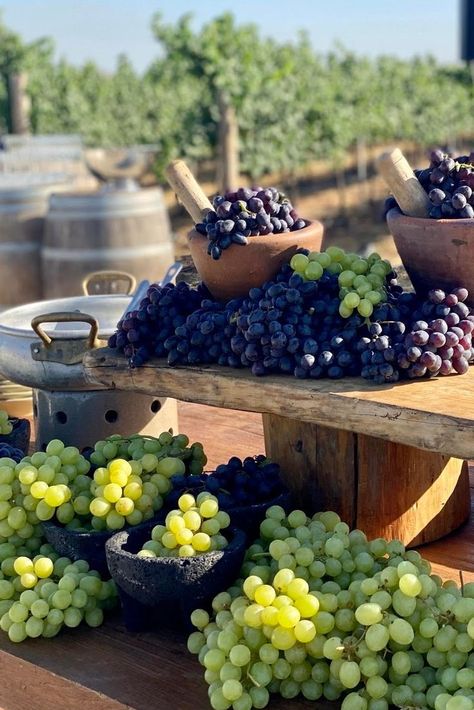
x: 101, y: 29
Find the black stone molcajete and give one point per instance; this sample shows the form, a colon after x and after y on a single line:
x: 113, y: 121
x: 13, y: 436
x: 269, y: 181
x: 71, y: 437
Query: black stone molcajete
x: 89, y: 546
x: 19, y: 437
x: 165, y: 590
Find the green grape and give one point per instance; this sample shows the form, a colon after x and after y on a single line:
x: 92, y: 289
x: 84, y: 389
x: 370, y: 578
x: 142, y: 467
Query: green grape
x: 354, y: 701
x: 376, y: 687
x: 401, y: 631
x: 368, y: 614
x: 94, y: 617
x: 17, y: 632
x: 377, y: 637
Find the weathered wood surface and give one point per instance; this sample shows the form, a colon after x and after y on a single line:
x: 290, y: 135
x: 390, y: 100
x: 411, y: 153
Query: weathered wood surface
x: 435, y: 415
x: 153, y: 671
x: 386, y: 489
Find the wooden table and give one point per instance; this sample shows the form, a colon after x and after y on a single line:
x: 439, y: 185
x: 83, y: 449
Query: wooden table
x: 389, y: 459
x: 110, y: 669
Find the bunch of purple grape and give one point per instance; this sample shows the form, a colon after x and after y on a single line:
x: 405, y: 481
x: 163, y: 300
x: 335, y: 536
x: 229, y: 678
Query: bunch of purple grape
x: 439, y: 341
x: 247, y: 212
x: 449, y: 183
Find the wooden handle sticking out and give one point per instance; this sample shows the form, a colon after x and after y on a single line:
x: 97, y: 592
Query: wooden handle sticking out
x: 403, y: 184
x: 188, y: 190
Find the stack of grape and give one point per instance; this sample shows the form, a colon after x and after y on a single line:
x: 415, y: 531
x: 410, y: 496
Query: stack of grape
x: 6, y: 425
x: 449, y: 183
x: 10, y: 452
x: 206, y: 335
x: 143, y: 332
x: 439, y: 345
x: 192, y: 529
x: 361, y: 281
x: 134, y: 448
x: 319, y: 610
x: 247, y: 212
x: 336, y: 315
x: 235, y: 483
x: 41, y: 595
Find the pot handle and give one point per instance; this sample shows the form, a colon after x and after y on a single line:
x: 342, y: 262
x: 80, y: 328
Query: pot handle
x: 65, y: 317
x: 102, y: 282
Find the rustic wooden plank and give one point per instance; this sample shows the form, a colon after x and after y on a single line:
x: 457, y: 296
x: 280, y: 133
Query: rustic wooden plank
x: 318, y: 464
x: 24, y: 685
x: 408, y: 494
x: 435, y: 415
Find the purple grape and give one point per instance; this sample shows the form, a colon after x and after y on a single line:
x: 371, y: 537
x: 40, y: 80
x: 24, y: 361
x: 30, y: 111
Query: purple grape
x: 451, y: 300
x: 429, y: 360
x: 467, y: 326
x: 466, y: 342
x: 436, y: 196
x: 299, y: 224
x: 416, y: 370
x: 467, y: 212
x: 414, y: 354
x: 420, y: 325
x: 445, y: 353
x: 452, y: 338
x: 461, y: 365
x: 446, y: 367
x: 224, y: 209
x: 452, y: 319
x: 255, y: 204
x: 458, y: 351
x: 461, y: 293
x: 439, y: 325
x: 436, y: 296
x: 464, y: 190
x: 461, y: 310
x: 437, y: 339
x: 436, y: 156
x: 458, y: 201
x: 420, y: 337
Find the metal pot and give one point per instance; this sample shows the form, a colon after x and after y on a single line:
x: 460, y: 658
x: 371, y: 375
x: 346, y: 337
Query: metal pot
x: 42, y: 344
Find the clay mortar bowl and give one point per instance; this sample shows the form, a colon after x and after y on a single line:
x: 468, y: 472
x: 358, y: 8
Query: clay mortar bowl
x: 241, y: 268
x: 437, y: 253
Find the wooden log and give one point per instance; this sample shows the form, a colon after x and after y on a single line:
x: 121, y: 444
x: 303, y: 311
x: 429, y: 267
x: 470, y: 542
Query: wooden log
x: 20, y: 104
x: 318, y: 464
x: 434, y: 415
x: 385, y: 489
x: 411, y: 495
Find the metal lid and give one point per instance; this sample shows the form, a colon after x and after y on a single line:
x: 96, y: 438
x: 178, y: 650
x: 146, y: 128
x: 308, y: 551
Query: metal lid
x: 106, y: 309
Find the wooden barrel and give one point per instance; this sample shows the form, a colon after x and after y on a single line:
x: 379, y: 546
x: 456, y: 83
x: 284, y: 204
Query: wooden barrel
x: 23, y: 204
x: 107, y: 230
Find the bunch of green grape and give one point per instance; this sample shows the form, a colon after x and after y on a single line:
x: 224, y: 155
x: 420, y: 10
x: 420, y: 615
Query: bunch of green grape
x: 322, y: 612
x: 192, y: 529
x: 362, y: 282
x: 165, y: 445
x: 35, y: 490
x: 40, y: 595
x: 6, y: 426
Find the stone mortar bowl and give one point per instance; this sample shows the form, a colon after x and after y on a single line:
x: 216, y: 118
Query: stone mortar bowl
x: 89, y: 546
x: 165, y: 590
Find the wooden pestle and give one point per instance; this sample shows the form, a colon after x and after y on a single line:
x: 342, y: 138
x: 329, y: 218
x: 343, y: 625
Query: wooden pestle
x: 188, y: 190
x: 403, y: 184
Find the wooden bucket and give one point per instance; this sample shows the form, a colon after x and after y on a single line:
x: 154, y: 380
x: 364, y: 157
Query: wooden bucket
x: 109, y: 230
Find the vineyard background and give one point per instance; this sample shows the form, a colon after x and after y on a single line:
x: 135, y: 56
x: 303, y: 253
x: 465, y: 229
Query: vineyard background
x: 313, y: 123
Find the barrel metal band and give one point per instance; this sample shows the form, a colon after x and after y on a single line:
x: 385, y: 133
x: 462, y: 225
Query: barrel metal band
x: 114, y: 253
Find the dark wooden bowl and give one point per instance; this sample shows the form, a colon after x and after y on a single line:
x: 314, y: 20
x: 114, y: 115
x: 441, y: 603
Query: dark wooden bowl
x: 241, y: 268
x: 437, y: 253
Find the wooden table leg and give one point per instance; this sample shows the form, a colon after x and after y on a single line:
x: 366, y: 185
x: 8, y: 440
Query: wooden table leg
x: 386, y: 489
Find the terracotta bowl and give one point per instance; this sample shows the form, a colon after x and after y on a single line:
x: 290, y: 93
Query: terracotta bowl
x: 435, y: 252
x: 241, y: 268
